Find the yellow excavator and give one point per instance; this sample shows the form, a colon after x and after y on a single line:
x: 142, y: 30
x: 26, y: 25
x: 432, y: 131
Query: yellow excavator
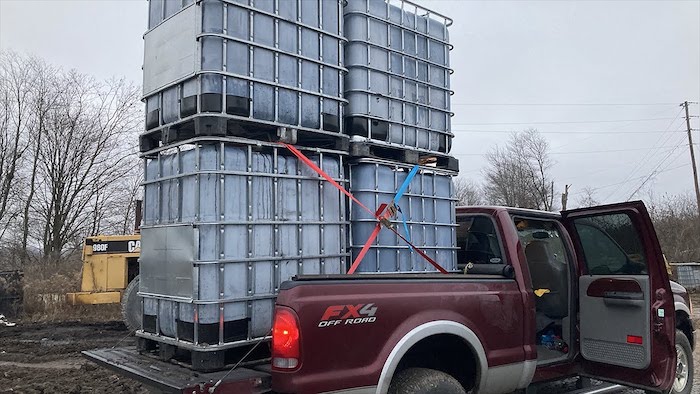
x: 110, y: 274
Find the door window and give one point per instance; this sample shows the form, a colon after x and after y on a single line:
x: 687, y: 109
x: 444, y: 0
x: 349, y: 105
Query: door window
x: 611, y: 245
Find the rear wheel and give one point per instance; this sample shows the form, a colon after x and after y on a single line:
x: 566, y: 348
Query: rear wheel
x: 132, y: 305
x: 424, y: 381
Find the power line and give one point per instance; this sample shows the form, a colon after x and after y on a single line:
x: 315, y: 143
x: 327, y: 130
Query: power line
x: 615, y: 127
x: 566, y: 132
x: 609, y: 151
x: 654, y: 173
x: 577, y: 152
x: 665, y: 156
x: 692, y: 156
x: 562, y: 104
x: 561, y: 122
x: 651, y: 153
x: 640, y: 177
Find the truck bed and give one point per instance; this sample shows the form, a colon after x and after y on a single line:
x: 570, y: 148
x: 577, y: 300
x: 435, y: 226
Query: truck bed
x: 169, y: 377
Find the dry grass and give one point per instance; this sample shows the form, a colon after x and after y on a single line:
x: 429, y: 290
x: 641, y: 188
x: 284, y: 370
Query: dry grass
x: 45, y: 288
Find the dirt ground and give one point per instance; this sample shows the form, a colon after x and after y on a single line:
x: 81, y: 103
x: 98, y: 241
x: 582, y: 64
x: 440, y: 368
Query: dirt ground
x: 45, y: 358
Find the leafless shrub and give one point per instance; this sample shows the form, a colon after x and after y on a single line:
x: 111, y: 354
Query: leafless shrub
x: 45, y: 285
x: 587, y: 198
x: 677, y: 226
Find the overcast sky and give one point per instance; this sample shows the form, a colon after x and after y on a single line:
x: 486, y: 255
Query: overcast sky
x: 518, y: 64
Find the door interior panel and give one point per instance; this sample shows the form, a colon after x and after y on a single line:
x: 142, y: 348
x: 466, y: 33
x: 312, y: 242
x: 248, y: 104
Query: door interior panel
x: 615, y: 324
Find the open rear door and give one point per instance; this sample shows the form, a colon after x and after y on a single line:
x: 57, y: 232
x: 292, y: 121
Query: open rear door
x: 626, y: 312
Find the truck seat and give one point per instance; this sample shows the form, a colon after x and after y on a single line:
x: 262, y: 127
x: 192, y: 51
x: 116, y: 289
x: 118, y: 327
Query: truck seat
x: 548, y: 273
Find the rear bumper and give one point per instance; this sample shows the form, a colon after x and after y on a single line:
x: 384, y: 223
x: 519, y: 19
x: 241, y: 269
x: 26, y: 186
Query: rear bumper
x: 88, y: 298
x: 167, y: 377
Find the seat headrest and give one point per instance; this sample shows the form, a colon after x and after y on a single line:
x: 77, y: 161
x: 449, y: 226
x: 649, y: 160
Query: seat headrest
x: 481, y: 225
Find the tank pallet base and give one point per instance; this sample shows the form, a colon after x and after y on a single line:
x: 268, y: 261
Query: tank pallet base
x: 203, y: 361
x: 219, y: 126
x: 375, y: 151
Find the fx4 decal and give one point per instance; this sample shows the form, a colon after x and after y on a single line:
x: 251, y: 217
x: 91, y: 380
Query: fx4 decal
x: 348, y: 314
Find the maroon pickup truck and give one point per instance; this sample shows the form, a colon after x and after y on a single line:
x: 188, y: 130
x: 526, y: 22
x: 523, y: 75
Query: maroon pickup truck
x: 538, y: 296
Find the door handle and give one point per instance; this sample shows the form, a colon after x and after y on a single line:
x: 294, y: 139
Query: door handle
x: 623, y: 295
x: 623, y: 302
x: 623, y: 299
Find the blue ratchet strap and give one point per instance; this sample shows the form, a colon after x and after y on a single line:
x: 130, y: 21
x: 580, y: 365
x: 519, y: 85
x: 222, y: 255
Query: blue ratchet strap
x: 400, y: 193
x: 405, y: 226
x: 404, y: 185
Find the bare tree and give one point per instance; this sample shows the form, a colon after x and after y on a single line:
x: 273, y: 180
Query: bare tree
x: 127, y: 214
x: 675, y: 220
x: 44, y: 100
x: 15, y: 121
x: 88, y: 147
x: 587, y: 198
x: 517, y: 174
x: 68, y: 162
x: 467, y: 192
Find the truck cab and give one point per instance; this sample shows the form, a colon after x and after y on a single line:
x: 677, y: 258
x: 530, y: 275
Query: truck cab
x: 598, y: 285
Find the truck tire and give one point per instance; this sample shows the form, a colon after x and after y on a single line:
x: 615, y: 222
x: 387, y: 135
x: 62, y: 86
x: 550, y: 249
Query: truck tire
x: 683, y: 382
x: 132, y: 305
x: 424, y: 381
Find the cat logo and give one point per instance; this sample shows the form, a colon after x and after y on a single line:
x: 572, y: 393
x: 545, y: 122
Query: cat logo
x: 134, y: 246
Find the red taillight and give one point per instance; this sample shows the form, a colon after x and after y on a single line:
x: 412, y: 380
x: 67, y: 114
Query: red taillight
x: 285, y: 339
x: 635, y: 340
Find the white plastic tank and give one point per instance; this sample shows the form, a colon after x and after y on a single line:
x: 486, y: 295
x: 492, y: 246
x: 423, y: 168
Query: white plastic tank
x: 427, y: 209
x: 243, y: 64
x: 398, y: 81
x: 224, y: 225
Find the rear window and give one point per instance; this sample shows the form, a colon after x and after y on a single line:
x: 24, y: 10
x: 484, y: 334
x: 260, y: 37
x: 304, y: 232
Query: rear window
x: 478, y: 241
x: 543, y: 231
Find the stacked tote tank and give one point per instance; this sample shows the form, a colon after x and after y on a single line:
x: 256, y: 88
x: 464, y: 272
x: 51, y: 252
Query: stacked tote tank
x: 229, y: 215
x: 398, y: 81
x: 427, y: 214
x: 225, y: 223
x: 220, y: 67
x: 398, y: 113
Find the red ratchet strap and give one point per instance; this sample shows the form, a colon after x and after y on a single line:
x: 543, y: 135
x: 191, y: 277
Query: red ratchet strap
x: 369, y: 242
x: 325, y: 176
x: 381, y: 216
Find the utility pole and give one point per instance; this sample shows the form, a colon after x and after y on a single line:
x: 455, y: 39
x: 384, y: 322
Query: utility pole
x: 692, y: 156
x: 565, y: 197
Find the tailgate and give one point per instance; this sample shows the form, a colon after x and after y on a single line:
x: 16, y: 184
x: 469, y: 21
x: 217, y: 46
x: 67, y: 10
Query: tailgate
x: 168, y: 377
